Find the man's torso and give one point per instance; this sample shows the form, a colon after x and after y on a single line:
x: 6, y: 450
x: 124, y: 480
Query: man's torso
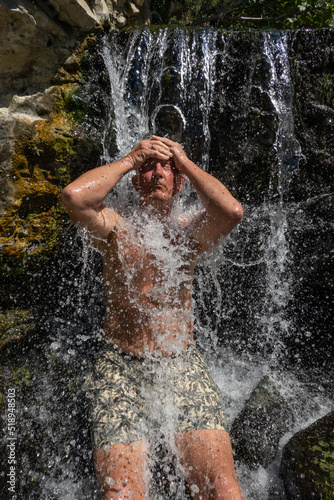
x: 148, y: 273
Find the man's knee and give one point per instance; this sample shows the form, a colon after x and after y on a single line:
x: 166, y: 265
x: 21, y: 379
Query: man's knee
x: 225, y: 484
x: 121, y: 471
x: 116, y: 490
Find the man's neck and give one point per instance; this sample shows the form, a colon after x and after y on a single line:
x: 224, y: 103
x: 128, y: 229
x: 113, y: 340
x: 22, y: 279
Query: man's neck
x: 159, y: 209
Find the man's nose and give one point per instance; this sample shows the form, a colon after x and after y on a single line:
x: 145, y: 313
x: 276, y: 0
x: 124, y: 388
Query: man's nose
x: 158, y: 169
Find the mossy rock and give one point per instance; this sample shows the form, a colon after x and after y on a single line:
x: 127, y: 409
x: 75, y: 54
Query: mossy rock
x: 29, y: 226
x: 15, y: 324
x: 307, y: 466
x: 47, y: 151
x: 256, y: 432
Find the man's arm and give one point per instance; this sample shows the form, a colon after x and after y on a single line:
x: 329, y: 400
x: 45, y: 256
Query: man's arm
x: 83, y: 198
x: 222, y: 211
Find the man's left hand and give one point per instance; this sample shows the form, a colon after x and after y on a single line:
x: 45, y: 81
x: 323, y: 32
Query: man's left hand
x: 179, y: 156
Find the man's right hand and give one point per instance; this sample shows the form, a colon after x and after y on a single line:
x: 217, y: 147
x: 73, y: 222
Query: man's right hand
x: 146, y: 149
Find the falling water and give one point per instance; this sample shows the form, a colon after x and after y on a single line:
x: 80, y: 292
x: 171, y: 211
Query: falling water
x: 242, y: 288
x: 178, y: 70
x: 276, y: 323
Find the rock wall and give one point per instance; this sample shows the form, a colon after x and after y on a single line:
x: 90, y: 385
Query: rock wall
x: 43, y: 45
x: 36, y: 37
x: 46, y: 93
x: 307, y: 463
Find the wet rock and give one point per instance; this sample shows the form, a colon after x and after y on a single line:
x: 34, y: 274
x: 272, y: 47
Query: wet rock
x: 256, y: 432
x: 36, y: 38
x: 43, y: 142
x: 311, y: 58
x: 36, y: 170
x: 307, y: 466
x: 14, y: 324
x: 7, y: 126
x: 243, y: 121
x: 309, y: 193
x: 51, y: 426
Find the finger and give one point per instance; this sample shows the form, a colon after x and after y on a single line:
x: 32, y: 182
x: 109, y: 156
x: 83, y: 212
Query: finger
x: 159, y: 155
x: 164, y: 140
x: 159, y: 146
x: 159, y: 142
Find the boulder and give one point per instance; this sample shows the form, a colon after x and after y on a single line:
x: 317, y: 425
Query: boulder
x: 76, y: 12
x: 37, y: 37
x: 307, y: 466
x: 32, y: 47
x: 256, y: 432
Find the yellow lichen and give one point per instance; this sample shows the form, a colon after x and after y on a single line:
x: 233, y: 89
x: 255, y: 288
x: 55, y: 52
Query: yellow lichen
x: 43, y: 152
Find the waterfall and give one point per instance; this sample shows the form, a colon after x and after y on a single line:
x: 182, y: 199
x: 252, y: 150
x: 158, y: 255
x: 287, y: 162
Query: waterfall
x: 276, y: 323
x: 164, y: 71
x: 228, y: 99
x: 178, y: 72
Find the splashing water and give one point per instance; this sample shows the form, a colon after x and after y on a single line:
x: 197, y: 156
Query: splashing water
x: 241, y: 297
x: 179, y: 69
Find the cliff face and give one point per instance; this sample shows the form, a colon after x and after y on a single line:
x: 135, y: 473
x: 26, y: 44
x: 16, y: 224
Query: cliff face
x: 55, y: 96
x: 37, y: 37
x: 42, y: 45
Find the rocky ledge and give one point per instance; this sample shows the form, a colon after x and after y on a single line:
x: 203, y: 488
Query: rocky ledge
x: 36, y: 37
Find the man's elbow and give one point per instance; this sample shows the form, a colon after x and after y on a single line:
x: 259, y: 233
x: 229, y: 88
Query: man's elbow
x: 235, y: 216
x: 238, y: 213
x: 70, y: 200
x: 67, y: 197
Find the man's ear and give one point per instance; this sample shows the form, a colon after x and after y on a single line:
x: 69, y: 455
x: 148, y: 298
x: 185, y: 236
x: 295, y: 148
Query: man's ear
x: 180, y: 181
x: 134, y: 180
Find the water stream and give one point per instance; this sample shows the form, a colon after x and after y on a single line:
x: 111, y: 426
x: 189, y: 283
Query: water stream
x: 174, y: 74
x: 170, y: 82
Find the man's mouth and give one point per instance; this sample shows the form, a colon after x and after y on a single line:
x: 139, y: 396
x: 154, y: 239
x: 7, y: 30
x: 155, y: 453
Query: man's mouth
x: 160, y: 187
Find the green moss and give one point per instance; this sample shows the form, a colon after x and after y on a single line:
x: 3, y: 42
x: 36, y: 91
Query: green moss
x: 30, y: 228
x: 323, y: 467
x: 75, y: 103
x: 15, y: 324
x: 45, y: 152
x: 21, y: 375
x: 310, y: 457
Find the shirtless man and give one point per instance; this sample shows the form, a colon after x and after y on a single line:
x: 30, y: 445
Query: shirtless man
x: 148, y: 322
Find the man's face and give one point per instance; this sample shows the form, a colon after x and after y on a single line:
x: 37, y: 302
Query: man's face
x: 158, y: 180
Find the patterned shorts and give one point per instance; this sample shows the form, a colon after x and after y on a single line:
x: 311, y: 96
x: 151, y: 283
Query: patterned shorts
x: 131, y: 397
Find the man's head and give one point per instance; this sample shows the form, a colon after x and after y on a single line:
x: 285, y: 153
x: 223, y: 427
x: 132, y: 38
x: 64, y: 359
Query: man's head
x: 158, y: 181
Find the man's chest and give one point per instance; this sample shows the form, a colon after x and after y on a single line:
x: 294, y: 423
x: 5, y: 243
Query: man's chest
x: 160, y: 256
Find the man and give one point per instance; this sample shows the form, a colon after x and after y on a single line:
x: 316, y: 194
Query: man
x: 149, y: 256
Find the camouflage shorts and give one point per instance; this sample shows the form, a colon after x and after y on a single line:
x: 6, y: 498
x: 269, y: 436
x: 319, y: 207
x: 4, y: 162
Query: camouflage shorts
x: 130, y: 397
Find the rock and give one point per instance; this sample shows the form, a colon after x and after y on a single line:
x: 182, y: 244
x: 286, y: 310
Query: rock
x: 103, y: 8
x: 307, y: 466
x: 7, y: 125
x: 36, y: 151
x: 45, y: 382
x: 15, y: 324
x: 175, y: 7
x: 34, y: 178
x: 120, y: 21
x: 256, y: 432
x: 29, y: 52
x: 75, y: 12
x: 36, y: 38
x: 133, y: 9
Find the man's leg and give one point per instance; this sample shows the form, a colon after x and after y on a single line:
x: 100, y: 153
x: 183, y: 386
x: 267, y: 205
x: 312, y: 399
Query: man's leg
x: 122, y: 471
x: 206, y: 454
